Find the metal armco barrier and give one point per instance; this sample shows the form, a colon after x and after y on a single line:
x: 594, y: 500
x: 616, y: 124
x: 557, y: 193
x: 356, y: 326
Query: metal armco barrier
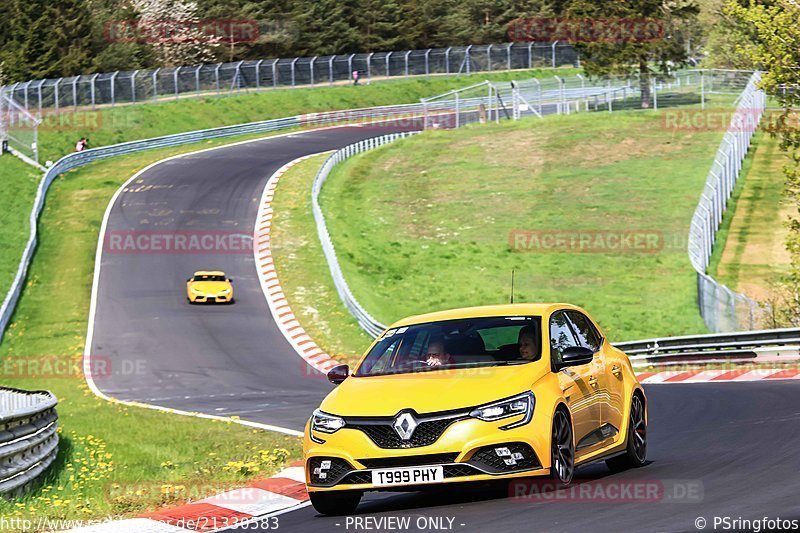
x: 365, y: 320
x: 712, y: 348
x: 28, y: 438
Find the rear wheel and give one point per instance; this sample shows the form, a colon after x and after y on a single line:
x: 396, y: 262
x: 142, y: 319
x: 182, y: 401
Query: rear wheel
x: 335, y: 503
x: 636, y: 449
x: 562, y: 449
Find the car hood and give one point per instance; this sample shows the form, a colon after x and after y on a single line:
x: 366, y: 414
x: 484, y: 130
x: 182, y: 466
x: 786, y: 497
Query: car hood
x: 210, y: 286
x: 431, y: 391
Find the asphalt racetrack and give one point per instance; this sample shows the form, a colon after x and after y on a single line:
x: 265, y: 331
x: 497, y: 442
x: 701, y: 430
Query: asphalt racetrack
x: 714, y: 450
x: 150, y: 345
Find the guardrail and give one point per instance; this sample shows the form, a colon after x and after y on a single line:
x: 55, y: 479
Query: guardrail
x: 365, y: 320
x: 28, y: 438
x: 738, y: 347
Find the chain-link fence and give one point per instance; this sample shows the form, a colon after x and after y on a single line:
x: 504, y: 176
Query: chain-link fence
x: 19, y: 130
x: 225, y: 78
x: 721, y: 308
x: 489, y: 101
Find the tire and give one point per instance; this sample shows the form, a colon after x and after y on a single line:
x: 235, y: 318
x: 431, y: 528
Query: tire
x: 636, y: 439
x: 562, y: 449
x: 335, y: 503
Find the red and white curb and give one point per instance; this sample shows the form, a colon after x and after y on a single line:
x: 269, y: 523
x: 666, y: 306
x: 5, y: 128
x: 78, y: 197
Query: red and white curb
x: 716, y: 376
x: 270, y: 285
x: 283, y: 492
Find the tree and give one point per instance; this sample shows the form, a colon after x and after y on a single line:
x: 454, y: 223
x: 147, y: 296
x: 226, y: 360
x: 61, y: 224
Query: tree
x: 169, y: 26
x: 775, y: 50
x: 658, y: 49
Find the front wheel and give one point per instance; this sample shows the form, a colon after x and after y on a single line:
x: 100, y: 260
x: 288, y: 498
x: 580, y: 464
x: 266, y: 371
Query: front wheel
x: 562, y: 465
x: 636, y: 449
x: 335, y: 503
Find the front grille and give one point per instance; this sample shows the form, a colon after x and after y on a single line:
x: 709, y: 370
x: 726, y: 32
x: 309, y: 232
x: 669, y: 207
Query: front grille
x: 429, y: 428
x: 416, y: 460
x: 487, y: 458
x: 326, y: 477
x: 357, y: 478
x: 460, y: 470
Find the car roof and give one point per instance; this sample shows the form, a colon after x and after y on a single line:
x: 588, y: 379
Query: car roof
x: 209, y: 273
x: 521, y: 309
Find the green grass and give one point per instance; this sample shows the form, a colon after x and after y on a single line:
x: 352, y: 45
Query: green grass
x: 107, y: 125
x: 302, y: 269
x: 750, y: 252
x: 18, y: 183
x: 424, y: 224
x: 146, y: 449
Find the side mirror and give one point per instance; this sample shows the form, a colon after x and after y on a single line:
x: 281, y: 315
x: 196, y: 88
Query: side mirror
x: 575, y: 356
x: 229, y: 280
x: 338, y: 374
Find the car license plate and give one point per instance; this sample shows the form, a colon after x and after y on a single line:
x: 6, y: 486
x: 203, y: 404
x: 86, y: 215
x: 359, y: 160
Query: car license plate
x: 407, y: 476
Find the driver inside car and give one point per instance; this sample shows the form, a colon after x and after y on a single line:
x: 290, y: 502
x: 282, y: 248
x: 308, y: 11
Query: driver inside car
x: 437, y: 354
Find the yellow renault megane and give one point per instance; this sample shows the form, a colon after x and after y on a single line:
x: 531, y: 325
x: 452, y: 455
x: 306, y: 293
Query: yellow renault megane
x: 475, y: 394
x: 209, y: 286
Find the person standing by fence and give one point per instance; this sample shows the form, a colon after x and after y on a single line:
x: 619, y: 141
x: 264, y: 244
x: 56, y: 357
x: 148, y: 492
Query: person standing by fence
x: 355, y: 77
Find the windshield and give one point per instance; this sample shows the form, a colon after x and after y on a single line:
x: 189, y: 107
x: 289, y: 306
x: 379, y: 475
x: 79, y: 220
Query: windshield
x: 466, y: 342
x: 209, y: 277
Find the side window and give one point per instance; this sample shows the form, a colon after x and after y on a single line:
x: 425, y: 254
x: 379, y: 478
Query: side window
x: 588, y: 336
x: 561, y: 336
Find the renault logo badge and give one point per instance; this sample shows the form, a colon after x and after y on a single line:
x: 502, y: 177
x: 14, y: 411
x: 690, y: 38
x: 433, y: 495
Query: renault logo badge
x: 404, y: 425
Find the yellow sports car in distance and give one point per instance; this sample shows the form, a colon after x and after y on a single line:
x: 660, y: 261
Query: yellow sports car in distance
x: 209, y: 286
x: 482, y: 393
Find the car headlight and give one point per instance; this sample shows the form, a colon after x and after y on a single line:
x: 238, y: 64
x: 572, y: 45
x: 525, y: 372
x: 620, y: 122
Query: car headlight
x: 224, y: 291
x: 325, y: 423
x: 521, y: 404
x: 197, y: 291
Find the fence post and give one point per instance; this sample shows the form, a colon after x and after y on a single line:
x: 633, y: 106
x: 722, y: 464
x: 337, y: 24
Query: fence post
x: 350, y: 67
x: 553, y: 59
x: 311, y: 69
x: 75, y: 92
x: 55, y: 92
x: 457, y: 112
x: 28, y: 84
x: 702, y: 89
x: 408, y: 53
x: 369, y: 67
x: 466, y: 57
x: 427, y: 67
x: 216, y: 76
x: 275, y: 74
x: 489, y: 58
x: 653, y: 83
x: 330, y: 69
x: 175, y: 81
x: 508, y: 56
x: 258, y: 73
x: 113, y: 83
x: 447, y: 60
x: 530, y: 55
x: 94, y: 78
x: 39, y: 91
x: 155, y: 83
x: 197, y: 79
x: 387, y: 63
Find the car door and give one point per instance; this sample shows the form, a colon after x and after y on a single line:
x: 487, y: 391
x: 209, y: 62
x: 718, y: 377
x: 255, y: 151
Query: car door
x: 579, y: 384
x: 608, y: 372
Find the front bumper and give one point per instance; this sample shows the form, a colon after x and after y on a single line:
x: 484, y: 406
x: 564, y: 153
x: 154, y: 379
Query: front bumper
x: 209, y: 298
x: 466, y: 450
